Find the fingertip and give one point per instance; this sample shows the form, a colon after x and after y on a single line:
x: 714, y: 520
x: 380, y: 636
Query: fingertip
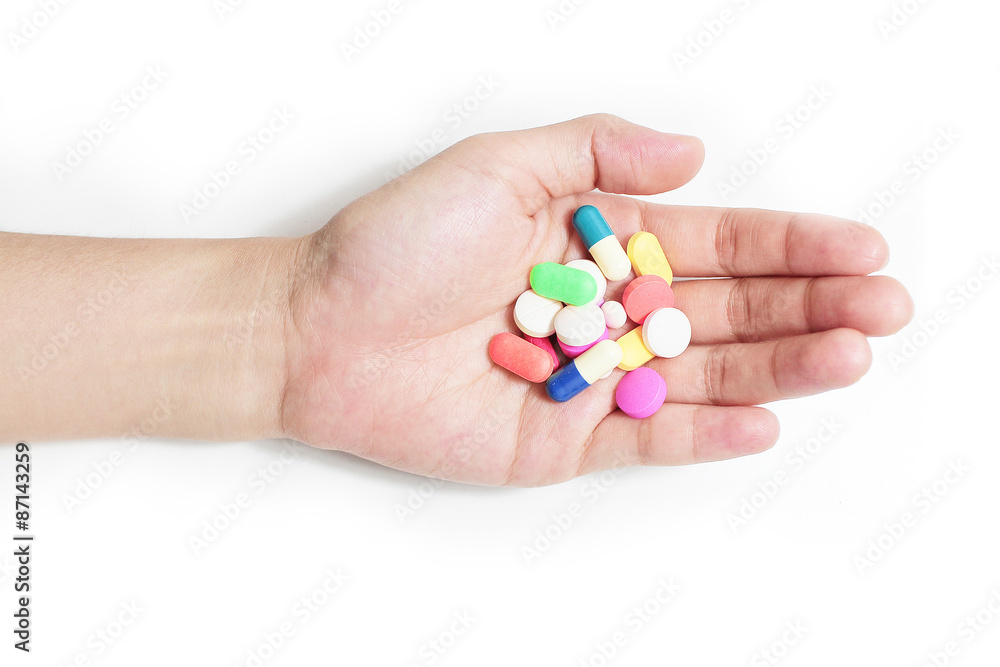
x: 891, y: 306
x: 843, y: 358
x: 756, y: 432
x: 872, y: 246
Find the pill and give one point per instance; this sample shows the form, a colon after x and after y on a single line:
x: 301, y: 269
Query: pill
x: 595, y: 273
x: 574, y: 351
x: 583, y: 371
x: 535, y: 315
x: 647, y: 257
x: 614, y: 314
x: 545, y: 344
x: 563, y: 283
x: 580, y: 325
x: 634, y: 351
x: 641, y: 393
x: 666, y: 332
x: 521, y: 357
x: 644, y: 295
x: 602, y: 243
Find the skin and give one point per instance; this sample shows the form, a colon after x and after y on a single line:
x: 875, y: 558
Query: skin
x: 370, y: 336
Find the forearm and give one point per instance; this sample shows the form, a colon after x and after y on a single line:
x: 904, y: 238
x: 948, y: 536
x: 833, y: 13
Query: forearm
x: 99, y: 336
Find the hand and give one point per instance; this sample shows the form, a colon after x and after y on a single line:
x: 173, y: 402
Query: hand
x: 398, y: 296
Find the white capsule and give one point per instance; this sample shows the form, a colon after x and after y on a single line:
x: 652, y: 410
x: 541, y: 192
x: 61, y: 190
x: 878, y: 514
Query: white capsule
x: 535, y: 315
x: 580, y: 325
x: 598, y: 360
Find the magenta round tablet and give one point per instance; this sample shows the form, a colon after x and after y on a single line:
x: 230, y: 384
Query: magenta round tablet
x: 574, y: 351
x: 641, y: 392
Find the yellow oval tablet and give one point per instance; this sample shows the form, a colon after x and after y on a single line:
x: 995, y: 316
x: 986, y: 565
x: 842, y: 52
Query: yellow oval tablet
x: 647, y: 256
x: 634, y: 351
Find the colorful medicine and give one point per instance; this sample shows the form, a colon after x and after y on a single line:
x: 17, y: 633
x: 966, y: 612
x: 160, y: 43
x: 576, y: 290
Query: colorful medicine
x: 595, y: 273
x: 644, y: 295
x: 574, y: 351
x: 535, y: 315
x: 666, y: 332
x: 545, y: 344
x: 614, y: 314
x: 634, y: 351
x: 641, y: 393
x: 583, y: 371
x: 647, y: 257
x: 521, y: 357
x: 602, y: 243
x: 580, y: 325
x: 563, y: 283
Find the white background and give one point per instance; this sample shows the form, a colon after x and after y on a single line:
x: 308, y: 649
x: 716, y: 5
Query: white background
x: 462, y: 552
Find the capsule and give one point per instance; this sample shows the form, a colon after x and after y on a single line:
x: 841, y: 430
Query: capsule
x: 583, y: 371
x: 602, y: 243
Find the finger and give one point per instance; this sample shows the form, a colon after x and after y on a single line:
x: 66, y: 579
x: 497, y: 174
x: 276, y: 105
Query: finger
x: 679, y: 435
x: 709, y: 242
x: 751, y: 310
x: 754, y: 373
x: 599, y: 151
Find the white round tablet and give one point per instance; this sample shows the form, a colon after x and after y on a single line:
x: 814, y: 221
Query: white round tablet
x: 595, y: 271
x: 614, y: 314
x: 666, y: 332
x: 535, y: 315
x: 580, y: 325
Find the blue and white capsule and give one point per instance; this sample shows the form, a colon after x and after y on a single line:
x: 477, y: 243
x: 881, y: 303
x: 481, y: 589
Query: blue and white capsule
x: 602, y: 243
x: 584, y: 371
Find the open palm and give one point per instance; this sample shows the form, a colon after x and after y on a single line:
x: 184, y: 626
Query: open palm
x: 397, y: 298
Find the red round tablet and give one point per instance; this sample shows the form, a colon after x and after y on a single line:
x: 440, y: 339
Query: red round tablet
x: 644, y: 295
x: 641, y: 392
x: 521, y: 357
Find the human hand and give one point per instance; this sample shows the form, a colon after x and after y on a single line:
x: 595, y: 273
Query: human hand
x: 397, y: 298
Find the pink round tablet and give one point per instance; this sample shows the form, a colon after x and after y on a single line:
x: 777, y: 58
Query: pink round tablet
x: 644, y: 295
x: 641, y: 392
x: 574, y: 351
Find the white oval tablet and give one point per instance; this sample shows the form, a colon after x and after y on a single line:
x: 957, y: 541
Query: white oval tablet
x: 595, y: 271
x: 666, y: 332
x: 535, y: 315
x: 580, y: 325
x: 614, y: 314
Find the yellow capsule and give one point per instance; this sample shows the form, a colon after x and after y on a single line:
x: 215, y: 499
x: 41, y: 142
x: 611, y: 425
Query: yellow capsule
x: 647, y: 256
x: 634, y: 351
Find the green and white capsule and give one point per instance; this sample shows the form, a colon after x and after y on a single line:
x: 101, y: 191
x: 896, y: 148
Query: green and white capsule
x: 602, y: 243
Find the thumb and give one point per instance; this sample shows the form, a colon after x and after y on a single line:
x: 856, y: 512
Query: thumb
x: 574, y: 157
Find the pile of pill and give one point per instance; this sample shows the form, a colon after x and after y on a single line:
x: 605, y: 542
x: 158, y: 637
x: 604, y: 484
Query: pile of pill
x: 565, y: 309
